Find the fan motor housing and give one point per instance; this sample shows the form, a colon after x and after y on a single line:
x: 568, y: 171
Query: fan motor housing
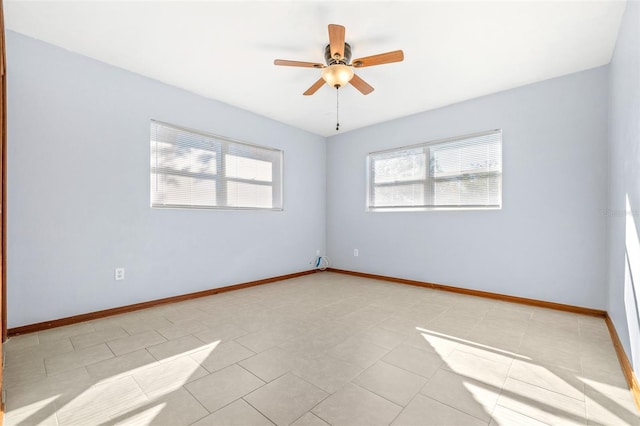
x: 330, y: 60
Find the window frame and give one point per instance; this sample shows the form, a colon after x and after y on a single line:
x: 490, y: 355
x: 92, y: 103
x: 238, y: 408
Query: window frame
x: 428, y: 181
x: 221, y: 150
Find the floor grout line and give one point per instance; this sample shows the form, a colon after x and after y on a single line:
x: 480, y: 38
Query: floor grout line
x: 338, y: 296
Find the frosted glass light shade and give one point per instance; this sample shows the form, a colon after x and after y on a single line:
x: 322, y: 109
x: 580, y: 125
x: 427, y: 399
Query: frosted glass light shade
x: 337, y: 75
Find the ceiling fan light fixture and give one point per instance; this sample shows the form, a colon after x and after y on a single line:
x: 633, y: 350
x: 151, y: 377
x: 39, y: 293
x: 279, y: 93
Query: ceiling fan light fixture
x: 337, y: 75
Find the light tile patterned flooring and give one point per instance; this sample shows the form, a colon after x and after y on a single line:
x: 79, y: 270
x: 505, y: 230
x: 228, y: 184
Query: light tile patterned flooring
x: 322, y: 349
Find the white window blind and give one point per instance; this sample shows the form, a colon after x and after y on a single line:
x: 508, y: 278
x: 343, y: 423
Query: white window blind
x: 191, y: 169
x: 462, y: 172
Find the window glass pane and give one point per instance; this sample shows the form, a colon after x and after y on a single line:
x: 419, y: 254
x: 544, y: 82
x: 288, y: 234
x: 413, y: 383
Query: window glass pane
x: 399, y: 166
x: 241, y: 194
x: 472, y: 191
x: 203, y: 161
x: 446, y: 193
x: 248, y: 168
x: 399, y: 195
x: 184, y: 158
x: 203, y: 192
x: 181, y: 190
x: 472, y: 156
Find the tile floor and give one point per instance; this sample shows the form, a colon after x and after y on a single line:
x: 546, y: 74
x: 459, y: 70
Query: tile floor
x: 322, y: 349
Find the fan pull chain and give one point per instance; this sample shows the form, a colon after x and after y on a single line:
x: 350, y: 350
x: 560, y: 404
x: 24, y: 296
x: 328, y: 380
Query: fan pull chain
x: 337, y: 109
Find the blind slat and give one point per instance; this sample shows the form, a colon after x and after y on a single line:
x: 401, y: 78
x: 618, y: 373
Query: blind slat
x: 191, y: 169
x: 458, y: 172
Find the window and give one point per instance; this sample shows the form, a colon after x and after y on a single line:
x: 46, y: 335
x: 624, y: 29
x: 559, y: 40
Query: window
x: 191, y: 169
x: 462, y: 172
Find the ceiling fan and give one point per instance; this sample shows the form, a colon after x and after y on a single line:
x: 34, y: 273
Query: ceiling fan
x: 338, y: 71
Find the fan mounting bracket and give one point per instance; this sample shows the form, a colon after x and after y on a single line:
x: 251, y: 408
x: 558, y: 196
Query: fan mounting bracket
x: 331, y: 60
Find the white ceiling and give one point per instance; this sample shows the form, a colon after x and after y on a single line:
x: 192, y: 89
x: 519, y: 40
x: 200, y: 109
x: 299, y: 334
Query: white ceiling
x: 225, y: 50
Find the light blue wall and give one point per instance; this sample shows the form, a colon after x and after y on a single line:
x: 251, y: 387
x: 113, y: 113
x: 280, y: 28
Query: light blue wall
x: 548, y: 241
x: 624, y: 163
x: 79, y: 204
x: 78, y: 191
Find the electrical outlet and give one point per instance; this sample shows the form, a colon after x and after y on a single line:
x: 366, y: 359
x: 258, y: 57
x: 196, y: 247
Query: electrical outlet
x: 119, y: 275
x: 318, y: 252
x: 355, y: 252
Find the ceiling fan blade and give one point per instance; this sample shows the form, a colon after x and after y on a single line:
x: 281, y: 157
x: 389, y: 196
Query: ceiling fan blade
x: 297, y: 64
x: 336, y: 41
x: 314, y: 88
x: 361, y: 85
x: 380, y: 59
